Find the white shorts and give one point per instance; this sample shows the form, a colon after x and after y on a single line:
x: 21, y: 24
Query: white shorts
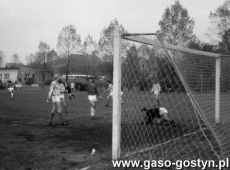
x: 56, y: 99
x: 62, y: 96
x: 163, y: 111
x: 72, y: 85
x: 10, y: 89
x: 111, y: 94
x: 92, y: 98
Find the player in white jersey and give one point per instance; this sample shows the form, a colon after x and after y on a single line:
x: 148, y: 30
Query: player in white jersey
x: 156, y: 91
x: 62, y: 97
x: 110, y: 95
x: 54, y: 96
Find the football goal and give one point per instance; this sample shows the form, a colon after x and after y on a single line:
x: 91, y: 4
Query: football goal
x: 176, y: 101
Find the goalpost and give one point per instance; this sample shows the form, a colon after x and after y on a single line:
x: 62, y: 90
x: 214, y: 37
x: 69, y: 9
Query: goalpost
x: 116, y: 97
x: 194, y: 91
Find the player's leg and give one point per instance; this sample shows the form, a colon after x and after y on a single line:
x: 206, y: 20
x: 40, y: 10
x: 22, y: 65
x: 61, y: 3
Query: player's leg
x: 70, y: 97
x: 12, y: 93
x: 108, y: 100
x: 70, y: 93
x: 64, y: 105
x: 156, y: 95
x: 59, y: 112
x: 122, y: 102
x: 9, y: 91
x: 165, y: 116
x: 93, y: 101
x: 159, y: 121
x: 52, y: 114
x: 92, y: 108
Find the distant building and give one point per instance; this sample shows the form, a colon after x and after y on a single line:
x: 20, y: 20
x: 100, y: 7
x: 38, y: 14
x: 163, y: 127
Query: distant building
x: 77, y: 77
x: 13, y: 65
x: 8, y: 74
x: 24, y: 74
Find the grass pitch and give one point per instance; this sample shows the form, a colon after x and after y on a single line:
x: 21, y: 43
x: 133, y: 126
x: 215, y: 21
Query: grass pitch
x: 27, y: 142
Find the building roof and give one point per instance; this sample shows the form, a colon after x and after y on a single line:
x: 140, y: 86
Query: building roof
x: 9, y: 68
x: 37, y: 69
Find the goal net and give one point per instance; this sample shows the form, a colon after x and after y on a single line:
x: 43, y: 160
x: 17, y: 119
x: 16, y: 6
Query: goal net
x: 191, y: 86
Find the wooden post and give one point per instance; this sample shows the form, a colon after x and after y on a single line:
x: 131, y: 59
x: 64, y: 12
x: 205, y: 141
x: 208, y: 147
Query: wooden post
x: 217, y: 91
x: 116, y: 97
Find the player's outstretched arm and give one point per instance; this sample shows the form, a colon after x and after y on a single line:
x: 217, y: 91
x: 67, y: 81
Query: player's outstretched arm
x: 106, y: 90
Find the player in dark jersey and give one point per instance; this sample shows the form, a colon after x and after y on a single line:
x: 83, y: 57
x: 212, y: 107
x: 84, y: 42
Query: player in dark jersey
x: 92, y: 96
x: 69, y: 91
x: 10, y: 87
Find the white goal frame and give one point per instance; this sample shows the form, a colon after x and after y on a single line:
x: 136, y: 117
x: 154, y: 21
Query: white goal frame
x: 116, y: 122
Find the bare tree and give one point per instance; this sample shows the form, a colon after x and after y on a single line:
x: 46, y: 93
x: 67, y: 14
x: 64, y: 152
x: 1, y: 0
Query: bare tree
x: 106, y: 41
x: 68, y: 42
x: 30, y: 58
x: 220, y: 18
x: 1, y: 58
x: 176, y: 26
x: 51, y: 56
x: 43, y: 50
x: 89, y: 47
x: 16, y: 59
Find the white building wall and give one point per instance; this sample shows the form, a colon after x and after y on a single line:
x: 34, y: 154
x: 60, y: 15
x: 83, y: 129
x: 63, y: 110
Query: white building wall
x: 8, y: 74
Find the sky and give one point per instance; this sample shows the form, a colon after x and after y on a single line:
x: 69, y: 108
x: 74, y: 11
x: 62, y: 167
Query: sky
x: 24, y: 23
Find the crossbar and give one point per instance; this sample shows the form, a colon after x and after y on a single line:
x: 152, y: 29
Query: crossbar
x: 131, y: 34
x: 151, y: 42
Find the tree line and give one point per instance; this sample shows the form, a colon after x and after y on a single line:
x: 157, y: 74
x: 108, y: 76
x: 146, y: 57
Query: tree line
x: 140, y: 61
x: 144, y: 65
